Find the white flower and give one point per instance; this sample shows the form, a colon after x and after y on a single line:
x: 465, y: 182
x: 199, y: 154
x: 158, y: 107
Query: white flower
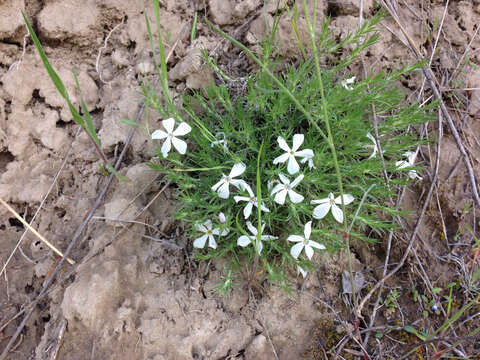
x: 304, y: 242
x: 244, y: 240
x: 222, y: 142
x: 171, y: 136
x: 251, y: 202
x: 209, y: 232
x: 223, y: 186
x: 331, y: 203
x: 287, y: 188
x: 347, y: 82
x: 410, y: 155
x: 301, y: 271
x: 290, y: 154
x: 309, y: 158
x: 222, y: 218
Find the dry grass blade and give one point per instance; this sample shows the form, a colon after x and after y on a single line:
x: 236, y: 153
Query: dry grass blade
x: 35, y: 232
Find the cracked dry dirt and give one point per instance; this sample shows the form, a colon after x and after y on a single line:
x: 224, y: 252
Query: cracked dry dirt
x: 140, y: 299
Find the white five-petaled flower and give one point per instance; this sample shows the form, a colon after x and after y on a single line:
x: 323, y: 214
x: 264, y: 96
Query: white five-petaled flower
x: 410, y: 155
x: 304, y: 242
x: 251, y: 202
x: 281, y: 190
x: 244, y: 240
x: 223, y: 186
x: 171, y: 136
x: 291, y: 153
x: 347, y: 83
x: 209, y: 232
x: 331, y: 203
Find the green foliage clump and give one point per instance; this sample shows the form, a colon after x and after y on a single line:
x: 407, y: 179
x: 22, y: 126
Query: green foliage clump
x: 229, y: 128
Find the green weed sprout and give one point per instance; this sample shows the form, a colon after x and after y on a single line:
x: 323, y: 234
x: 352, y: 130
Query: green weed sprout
x: 84, y: 121
x: 267, y: 177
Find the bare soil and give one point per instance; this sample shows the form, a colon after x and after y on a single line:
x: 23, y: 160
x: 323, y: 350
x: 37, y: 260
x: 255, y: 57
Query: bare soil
x: 141, y: 299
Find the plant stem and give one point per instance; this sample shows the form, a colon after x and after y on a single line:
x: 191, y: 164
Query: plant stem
x: 311, y: 31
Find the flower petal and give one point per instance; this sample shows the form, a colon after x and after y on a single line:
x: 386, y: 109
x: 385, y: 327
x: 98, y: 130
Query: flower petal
x: 297, y: 180
x: 211, y: 242
x: 296, y: 250
x: 401, y: 164
x: 268, y: 237
x: 264, y: 208
x: 321, y: 210
x: 309, y: 251
x: 316, y: 245
x: 200, y: 242
x: 239, y: 184
x: 337, y: 213
x: 284, y: 179
x: 320, y: 201
x: 305, y: 154
x: 252, y: 228
x: 182, y: 129
x: 159, y: 134
x: 167, y: 145
x: 281, y: 159
x: 217, y: 185
x: 237, y: 169
x: 260, y: 247
x: 370, y: 136
x: 295, y: 238
x: 241, y: 198
x: 169, y: 124
x: 208, y: 224
x: 297, y: 141
x: 277, y: 188
x: 224, y: 191
x: 243, y: 241
x: 301, y: 271
x: 249, y: 190
x: 295, y: 197
x: 247, y: 210
x: 216, y: 231
x: 225, y: 232
x: 347, y: 199
x: 180, y: 145
x: 292, y: 166
x: 308, y: 230
x: 280, y: 197
x: 283, y: 144
x: 202, y: 228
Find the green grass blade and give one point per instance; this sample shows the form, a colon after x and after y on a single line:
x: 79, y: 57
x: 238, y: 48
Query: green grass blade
x: 194, y: 27
x: 53, y: 75
x: 88, y: 119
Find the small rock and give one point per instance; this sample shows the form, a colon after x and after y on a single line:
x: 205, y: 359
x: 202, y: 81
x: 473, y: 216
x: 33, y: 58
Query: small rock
x: 259, y: 348
x: 145, y: 67
x: 55, y: 21
x: 349, y: 7
x: 200, y: 79
x: 242, y: 9
x: 120, y: 58
x: 221, y: 11
x: 359, y: 282
x: 12, y: 21
x: 271, y: 5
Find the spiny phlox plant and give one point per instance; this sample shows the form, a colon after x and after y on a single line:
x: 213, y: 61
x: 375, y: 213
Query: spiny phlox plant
x: 259, y: 184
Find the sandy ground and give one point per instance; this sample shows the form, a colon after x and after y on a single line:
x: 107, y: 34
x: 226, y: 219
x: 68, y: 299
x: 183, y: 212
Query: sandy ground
x: 140, y: 299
